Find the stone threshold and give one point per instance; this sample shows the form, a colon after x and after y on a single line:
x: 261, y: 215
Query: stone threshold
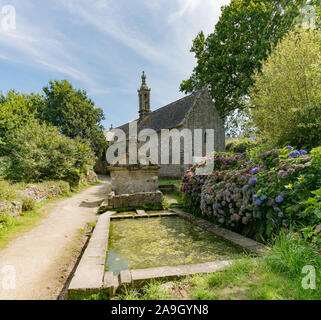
x: 141, y: 214
x: 137, y: 277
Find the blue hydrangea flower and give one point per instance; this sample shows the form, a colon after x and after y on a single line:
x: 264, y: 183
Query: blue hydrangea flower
x: 289, y: 147
x: 258, y: 202
x: 303, y: 152
x: 264, y: 197
x: 279, y: 199
x: 253, y: 181
x: 255, y: 170
x: 294, y: 154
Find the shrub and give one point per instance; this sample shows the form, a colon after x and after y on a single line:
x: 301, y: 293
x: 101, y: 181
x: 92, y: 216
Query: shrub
x: 39, y: 152
x: 241, y: 145
x: 285, y: 101
x: 28, y: 204
x: 5, y: 222
x: 255, y: 197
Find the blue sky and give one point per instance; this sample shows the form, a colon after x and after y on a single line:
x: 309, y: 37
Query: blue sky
x: 103, y: 46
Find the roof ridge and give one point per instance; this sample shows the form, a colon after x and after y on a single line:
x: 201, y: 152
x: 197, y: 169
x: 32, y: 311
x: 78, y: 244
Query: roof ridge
x: 167, y: 105
x: 161, y: 108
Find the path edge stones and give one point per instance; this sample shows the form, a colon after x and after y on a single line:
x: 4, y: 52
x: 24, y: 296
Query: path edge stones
x: 89, y: 275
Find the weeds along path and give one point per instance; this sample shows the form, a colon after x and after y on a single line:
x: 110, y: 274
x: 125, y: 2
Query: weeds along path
x: 39, y: 255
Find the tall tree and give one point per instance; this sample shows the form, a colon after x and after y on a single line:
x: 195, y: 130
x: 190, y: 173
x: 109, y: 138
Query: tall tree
x: 243, y: 37
x: 16, y: 109
x: 74, y: 114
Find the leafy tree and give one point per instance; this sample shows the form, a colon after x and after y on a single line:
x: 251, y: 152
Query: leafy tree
x: 243, y: 37
x: 38, y: 152
x: 285, y: 101
x: 16, y: 109
x: 74, y: 114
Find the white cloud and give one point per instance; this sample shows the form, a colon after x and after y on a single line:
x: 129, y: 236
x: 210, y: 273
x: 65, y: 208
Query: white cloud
x: 186, y: 6
x: 111, y: 24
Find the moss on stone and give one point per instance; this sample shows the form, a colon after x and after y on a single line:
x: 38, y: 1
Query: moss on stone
x: 163, y: 241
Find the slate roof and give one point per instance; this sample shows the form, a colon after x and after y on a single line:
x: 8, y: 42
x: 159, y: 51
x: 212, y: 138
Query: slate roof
x: 167, y: 117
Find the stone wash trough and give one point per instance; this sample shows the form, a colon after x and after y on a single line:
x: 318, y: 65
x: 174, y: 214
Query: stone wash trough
x: 133, y: 186
x: 130, y: 248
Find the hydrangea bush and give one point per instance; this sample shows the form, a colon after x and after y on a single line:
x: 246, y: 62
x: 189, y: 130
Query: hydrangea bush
x: 255, y: 197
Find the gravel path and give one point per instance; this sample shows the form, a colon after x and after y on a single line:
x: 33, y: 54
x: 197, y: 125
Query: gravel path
x: 38, y: 256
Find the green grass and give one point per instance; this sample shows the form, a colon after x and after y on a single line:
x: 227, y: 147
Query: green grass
x: 150, y: 291
x: 12, y: 226
x: 166, y: 182
x: 89, y: 296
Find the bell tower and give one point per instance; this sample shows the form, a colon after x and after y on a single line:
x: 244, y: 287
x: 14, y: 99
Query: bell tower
x: 144, y: 98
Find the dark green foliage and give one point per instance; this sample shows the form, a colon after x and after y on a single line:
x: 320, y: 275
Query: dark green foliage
x: 39, y: 152
x: 74, y: 114
x: 244, y: 36
x: 16, y: 109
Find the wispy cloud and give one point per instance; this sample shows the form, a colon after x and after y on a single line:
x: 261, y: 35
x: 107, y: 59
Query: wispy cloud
x: 114, y: 26
x: 186, y: 6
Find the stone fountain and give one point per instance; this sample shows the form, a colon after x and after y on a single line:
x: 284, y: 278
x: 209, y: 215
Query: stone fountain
x: 133, y: 186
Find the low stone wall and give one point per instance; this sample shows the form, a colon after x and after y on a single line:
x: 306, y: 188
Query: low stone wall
x: 135, y: 200
x: 46, y: 190
x: 13, y: 208
x: 40, y: 192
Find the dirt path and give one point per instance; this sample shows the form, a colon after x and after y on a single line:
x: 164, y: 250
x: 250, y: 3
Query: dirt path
x: 39, y: 255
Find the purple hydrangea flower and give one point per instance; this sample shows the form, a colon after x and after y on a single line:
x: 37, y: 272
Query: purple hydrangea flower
x: 289, y: 147
x: 250, y: 162
x: 255, y: 170
x: 279, y: 199
x: 303, y: 152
